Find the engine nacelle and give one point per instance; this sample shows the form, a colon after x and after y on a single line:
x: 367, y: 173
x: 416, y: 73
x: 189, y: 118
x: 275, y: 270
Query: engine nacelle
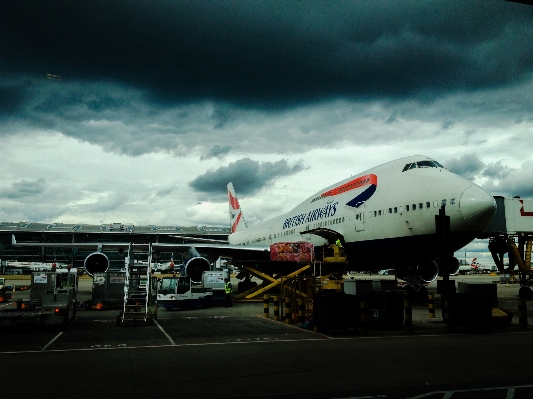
x: 96, y: 262
x: 428, y: 271
x: 448, y: 265
x: 194, y: 268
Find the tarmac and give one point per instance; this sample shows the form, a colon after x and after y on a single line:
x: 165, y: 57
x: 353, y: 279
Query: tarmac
x: 236, y: 353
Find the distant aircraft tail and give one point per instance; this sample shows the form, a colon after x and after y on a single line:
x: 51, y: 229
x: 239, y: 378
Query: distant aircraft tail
x: 235, y: 213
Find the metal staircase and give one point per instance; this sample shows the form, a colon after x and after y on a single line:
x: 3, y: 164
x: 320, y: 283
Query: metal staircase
x: 140, y: 292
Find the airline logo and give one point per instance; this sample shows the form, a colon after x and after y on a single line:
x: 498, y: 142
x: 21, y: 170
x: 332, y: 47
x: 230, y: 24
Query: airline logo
x: 370, y: 180
x: 235, y: 211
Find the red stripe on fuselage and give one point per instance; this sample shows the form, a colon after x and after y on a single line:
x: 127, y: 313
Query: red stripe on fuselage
x: 352, y: 185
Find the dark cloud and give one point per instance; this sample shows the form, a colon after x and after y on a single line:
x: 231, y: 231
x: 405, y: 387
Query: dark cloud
x: 216, y: 151
x: 497, y: 171
x: 12, y: 99
x: 271, y: 53
x: 468, y: 165
x: 24, y: 189
x: 248, y: 176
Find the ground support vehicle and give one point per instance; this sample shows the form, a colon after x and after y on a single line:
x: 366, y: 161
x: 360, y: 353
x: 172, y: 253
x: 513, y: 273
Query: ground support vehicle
x: 4, y: 295
x: 107, y: 290
x: 53, y: 300
x: 214, y: 281
x: 178, y: 293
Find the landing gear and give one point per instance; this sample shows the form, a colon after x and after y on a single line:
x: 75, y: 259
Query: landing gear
x: 416, y: 294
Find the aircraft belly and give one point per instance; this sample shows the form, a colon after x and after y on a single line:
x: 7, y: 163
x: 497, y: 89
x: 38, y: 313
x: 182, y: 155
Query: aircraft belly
x: 397, y: 251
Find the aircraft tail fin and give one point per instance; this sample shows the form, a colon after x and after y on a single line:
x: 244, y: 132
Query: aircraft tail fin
x: 235, y: 213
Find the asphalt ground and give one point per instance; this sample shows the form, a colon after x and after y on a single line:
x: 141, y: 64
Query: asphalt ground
x: 236, y: 353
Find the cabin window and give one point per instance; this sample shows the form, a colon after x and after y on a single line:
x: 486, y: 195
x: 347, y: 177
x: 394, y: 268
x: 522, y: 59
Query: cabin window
x: 452, y: 201
x: 343, y: 219
x: 407, y: 208
x: 420, y: 205
x: 375, y: 213
x: 390, y: 210
x: 379, y: 212
x: 443, y: 203
x: 428, y: 204
x: 414, y: 207
x: 395, y: 209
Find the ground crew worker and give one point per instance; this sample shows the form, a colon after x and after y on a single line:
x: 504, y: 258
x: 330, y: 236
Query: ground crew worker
x: 228, y: 290
x: 338, y: 243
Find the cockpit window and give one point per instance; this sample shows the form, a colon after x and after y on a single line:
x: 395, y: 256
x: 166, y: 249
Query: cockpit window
x: 422, y: 164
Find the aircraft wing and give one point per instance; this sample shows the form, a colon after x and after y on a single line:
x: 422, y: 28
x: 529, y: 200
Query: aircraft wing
x: 199, y: 239
x: 204, y: 248
x: 103, y: 246
x: 218, y: 249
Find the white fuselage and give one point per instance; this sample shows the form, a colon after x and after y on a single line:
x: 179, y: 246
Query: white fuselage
x: 402, y: 206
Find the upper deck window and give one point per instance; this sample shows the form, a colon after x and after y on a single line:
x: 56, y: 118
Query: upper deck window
x: 422, y: 164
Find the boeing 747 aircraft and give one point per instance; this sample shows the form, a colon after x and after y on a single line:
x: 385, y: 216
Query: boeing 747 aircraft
x: 384, y: 218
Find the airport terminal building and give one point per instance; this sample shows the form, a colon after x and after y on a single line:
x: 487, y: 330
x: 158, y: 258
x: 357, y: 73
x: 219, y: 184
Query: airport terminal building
x: 85, y: 233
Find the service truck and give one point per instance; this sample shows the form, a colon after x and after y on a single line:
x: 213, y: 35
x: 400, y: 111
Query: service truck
x: 53, y: 300
x: 178, y: 292
x: 5, y: 295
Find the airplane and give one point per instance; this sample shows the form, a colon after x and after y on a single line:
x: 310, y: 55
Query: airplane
x: 384, y: 218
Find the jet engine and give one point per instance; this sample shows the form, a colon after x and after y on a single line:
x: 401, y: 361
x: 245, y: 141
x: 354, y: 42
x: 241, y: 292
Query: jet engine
x: 194, y: 267
x: 428, y: 271
x: 96, y: 262
x: 448, y: 265
x: 423, y: 273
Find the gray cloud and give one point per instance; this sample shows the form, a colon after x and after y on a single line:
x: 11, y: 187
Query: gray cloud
x: 468, y: 165
x: 24, y: 189
x: 216, y: 151
x: 248, y: 176
x: 497, y: 171
x: 513, y: 182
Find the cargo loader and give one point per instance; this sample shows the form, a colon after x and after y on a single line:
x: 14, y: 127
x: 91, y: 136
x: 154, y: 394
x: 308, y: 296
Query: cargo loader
x: 53, y: 300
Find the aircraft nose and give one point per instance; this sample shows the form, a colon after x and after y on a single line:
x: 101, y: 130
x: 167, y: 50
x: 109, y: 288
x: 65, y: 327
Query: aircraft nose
x: 477, y: 207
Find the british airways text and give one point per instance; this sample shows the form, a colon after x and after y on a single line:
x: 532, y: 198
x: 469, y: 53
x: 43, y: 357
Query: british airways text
x: 316, y: 214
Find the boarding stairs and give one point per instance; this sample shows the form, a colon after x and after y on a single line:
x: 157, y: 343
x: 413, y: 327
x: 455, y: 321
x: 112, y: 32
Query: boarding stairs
x: 139, y: 297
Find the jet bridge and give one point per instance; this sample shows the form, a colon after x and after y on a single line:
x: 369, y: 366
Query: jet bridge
x: 511, y: 233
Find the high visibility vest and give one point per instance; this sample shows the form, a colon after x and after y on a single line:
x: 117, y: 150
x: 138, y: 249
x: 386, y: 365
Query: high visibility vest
x: 227, y: 288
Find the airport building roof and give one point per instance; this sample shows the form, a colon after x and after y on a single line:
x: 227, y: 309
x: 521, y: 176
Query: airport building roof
x: 15, y: 227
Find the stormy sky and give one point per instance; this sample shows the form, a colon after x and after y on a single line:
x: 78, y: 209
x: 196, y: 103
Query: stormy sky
x: 142, y: 111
